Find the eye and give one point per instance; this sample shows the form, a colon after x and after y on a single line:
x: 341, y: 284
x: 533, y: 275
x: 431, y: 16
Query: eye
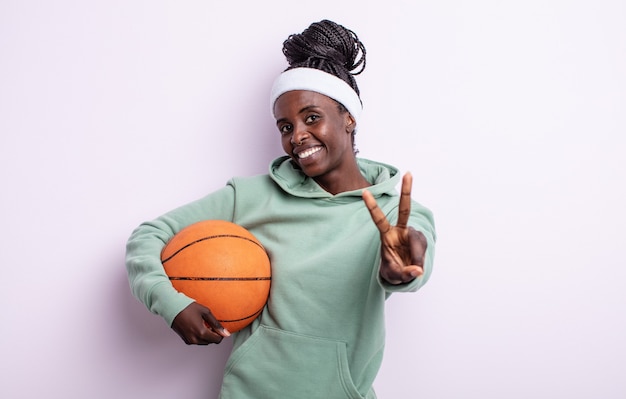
x: 311, y: 119
x: 285, y: 129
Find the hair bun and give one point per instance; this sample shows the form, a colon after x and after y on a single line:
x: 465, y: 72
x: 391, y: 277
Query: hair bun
x: 328, y: 46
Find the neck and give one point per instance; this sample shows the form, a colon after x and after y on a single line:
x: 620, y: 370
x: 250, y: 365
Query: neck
x: 351, y: 181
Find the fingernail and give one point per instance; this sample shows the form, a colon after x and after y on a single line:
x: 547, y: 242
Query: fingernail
x: 226, y: 332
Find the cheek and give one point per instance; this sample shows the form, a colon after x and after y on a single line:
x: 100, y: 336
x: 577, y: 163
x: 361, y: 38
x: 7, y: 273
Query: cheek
x: 285, y: 141
x: 335, y: 137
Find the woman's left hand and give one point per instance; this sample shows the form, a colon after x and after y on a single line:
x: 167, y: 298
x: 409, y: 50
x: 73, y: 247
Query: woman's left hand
x: 402, y: 247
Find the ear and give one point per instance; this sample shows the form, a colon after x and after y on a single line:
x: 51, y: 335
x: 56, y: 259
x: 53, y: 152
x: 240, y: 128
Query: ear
x: 350, y: 123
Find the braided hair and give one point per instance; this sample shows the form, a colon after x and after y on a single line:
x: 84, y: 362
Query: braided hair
x: 329, y: 47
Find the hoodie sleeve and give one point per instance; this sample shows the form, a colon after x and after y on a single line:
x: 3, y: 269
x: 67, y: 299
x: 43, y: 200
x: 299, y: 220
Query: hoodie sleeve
x: 421, y: 219
x: 147, y: 278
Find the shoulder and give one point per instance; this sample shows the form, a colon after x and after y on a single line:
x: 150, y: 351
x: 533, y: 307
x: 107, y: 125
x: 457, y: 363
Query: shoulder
x: 251, y: 183
x: 383, y: 177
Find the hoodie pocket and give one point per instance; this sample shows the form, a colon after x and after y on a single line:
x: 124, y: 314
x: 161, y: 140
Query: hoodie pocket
x: 275, y: 364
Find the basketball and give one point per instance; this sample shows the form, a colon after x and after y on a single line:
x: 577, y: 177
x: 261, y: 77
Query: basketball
x: 222, y: 266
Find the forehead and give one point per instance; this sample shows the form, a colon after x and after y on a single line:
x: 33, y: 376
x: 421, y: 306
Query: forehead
x: 296, y: 100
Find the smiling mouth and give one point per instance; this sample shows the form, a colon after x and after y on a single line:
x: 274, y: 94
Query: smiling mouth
x: 307, y: 153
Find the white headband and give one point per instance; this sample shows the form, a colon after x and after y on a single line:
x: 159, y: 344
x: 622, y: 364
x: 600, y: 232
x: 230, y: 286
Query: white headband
x: 318, y: 81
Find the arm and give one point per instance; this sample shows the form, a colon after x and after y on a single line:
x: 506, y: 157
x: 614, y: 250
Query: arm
x: 147, y: 278
x: 407, y: 249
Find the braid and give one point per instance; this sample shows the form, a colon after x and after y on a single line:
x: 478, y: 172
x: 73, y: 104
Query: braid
x: 329, y: 47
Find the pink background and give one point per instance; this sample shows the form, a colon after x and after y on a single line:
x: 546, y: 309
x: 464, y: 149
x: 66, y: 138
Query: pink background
x: 511, y: 116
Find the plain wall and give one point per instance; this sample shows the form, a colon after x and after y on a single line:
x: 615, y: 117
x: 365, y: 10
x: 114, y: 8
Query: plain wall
x: 510, y: 115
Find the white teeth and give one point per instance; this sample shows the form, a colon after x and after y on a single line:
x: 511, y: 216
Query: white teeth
x: 309, y: 152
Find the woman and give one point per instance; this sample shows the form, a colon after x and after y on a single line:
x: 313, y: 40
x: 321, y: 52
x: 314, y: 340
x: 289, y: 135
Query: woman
x: 326, y: 219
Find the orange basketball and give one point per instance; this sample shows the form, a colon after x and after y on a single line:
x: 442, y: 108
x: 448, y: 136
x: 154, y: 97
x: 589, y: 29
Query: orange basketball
x: 222, y: 266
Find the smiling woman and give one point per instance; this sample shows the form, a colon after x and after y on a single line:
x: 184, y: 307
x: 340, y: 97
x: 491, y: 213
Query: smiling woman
x: 318, y: 136
x: 317, y: 106
x: 321, y: 334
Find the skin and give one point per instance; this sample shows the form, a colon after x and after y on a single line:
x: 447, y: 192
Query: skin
x: 311, y: 122
x: 196, y: 325
x: 308, y: 120
x: 403, y: 247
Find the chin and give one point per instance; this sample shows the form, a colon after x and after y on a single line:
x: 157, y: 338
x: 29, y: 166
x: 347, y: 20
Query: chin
x: 310, y: 172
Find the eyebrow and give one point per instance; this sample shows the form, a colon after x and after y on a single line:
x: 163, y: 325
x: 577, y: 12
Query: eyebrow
x: 308, y: 107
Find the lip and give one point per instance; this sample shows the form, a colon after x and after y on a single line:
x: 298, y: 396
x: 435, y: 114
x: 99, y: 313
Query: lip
x: 301, y: 150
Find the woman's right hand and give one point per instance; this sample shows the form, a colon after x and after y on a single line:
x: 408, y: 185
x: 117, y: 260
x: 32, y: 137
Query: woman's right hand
x: 196, y: 325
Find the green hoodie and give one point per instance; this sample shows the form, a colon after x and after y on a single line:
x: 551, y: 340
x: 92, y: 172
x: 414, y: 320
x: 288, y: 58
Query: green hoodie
x: 321, y: 334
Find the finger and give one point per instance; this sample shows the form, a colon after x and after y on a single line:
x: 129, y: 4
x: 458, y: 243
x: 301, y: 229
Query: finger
x: 412, y: 272
x: 213, y: 324
x: 211, y: 337
x: 418, y: 245
x: 403, y: 275
x: 377, y: 214
x: 404, y: 209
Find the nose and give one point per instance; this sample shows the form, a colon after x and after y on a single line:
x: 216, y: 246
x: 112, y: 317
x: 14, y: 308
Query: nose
x: 299, y: 134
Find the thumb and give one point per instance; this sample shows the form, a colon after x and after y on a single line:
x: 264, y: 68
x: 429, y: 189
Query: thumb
x: 211, y: 322
x: 414, y: 271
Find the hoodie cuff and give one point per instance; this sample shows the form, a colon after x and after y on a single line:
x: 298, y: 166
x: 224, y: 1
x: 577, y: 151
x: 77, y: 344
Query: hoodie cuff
x: 167, y: 302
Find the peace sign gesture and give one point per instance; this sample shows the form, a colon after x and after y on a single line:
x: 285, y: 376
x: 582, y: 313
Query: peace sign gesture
x: 402, y: 247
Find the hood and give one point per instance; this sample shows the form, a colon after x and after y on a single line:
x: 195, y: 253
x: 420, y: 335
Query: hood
x: 384, y: 178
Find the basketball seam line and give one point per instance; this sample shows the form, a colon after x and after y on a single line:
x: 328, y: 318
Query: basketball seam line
x: 220, y: 278
x: 209, y: 238
x: 244, y: 318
